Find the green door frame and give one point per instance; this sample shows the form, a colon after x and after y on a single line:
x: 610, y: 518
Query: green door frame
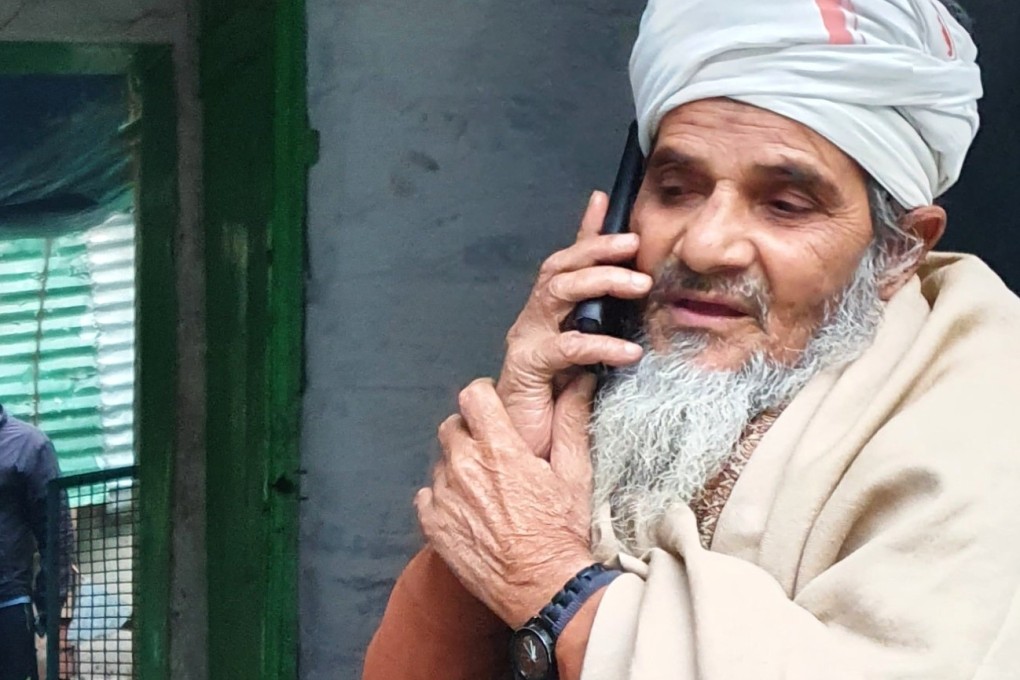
x: 151, y: 73
x: 296, y: 151
x: 257, y: 151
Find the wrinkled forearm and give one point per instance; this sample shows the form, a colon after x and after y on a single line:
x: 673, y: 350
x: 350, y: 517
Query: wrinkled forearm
x: 434, y: 628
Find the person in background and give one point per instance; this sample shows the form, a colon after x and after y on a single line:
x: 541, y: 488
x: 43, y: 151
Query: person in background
x: 27, y: 464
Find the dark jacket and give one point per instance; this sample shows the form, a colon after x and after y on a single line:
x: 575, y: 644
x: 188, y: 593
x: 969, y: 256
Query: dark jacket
x: 27, y: 464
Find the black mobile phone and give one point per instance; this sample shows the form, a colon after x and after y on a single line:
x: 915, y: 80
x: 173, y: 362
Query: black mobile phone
x: 607, y: 315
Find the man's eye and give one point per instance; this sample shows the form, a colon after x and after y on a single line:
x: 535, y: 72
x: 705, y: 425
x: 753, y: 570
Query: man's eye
x: 672, y: 190
x: 784, y: 207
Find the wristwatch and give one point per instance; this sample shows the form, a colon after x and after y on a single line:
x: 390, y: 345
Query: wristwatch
x: 533, y: 652
x: 533, y: 645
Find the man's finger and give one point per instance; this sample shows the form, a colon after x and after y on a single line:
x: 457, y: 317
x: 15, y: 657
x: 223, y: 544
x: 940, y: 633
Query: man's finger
x: 570, y: 458
x: 439, y: 477
x: 598, y: 249
x: 457, y: 444
x: 449, y: 430
x: 574, y: 348
x: 566, y: 289
x: 594, y: 215
x: 423, y: 508
x: 537, y: 365
x: 486, y: 417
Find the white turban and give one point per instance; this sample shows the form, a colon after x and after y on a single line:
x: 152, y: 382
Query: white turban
x: 893, y: 83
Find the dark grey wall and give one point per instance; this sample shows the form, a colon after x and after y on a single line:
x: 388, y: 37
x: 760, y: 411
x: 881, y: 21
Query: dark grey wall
x: 460, y: 140
x: 982, y: 207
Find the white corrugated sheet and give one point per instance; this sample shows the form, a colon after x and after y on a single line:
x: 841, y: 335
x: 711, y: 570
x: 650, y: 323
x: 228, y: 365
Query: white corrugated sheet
x: 67, y: 340
x: 111, y: 256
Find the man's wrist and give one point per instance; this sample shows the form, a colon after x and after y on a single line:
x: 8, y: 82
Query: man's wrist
x: 573, y: 641
x: 523, y: 607
x: 566, y: 603
x: 534, y: 645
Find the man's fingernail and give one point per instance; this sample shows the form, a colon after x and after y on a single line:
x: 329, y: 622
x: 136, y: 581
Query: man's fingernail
x: 639, y: 279
x: 634, y: 350
x: 591, y: 199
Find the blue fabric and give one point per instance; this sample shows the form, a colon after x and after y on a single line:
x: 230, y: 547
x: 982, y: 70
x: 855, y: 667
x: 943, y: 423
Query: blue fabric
x: 25, y: 599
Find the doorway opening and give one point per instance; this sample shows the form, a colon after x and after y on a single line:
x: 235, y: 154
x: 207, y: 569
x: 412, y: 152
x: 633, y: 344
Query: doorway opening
x: 88, y: 210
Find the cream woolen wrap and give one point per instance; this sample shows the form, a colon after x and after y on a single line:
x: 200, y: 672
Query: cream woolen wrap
x: 875, y: 532
x: 893, y: 83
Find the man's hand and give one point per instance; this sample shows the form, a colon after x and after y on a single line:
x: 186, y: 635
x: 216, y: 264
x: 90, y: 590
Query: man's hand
x: 538, y: 351
x: 512, y: 527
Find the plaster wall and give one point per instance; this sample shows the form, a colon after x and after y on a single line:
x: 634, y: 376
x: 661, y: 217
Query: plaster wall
x: 460, y: 140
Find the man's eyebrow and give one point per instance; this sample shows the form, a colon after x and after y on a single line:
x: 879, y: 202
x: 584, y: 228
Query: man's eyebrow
x: 790, y: 173
x: 803, y: 177
x: 665, y: 156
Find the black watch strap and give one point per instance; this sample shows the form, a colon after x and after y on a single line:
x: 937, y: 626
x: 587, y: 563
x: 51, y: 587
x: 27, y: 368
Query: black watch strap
x: 533, y: 647
x: 566, y: 603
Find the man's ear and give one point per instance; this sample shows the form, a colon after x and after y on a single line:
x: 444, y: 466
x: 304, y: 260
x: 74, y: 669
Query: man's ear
x: 928, y: 224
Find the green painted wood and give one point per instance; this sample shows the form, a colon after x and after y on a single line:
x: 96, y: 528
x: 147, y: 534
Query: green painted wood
x: 238, y: 186
x: 255, y: 165
x: 152, y: 76
x: 38, y: 58
x: 287, y: 238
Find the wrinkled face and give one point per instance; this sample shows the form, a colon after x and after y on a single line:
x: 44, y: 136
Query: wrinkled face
x: 752, y: 224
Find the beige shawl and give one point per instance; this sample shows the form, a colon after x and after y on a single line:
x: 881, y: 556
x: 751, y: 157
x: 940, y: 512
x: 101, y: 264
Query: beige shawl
x: 875, y: 532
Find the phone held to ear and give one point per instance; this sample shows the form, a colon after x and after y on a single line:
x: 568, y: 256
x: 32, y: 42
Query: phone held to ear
x: 607, y: 315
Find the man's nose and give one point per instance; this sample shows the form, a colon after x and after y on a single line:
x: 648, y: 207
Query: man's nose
x: 716, y: 237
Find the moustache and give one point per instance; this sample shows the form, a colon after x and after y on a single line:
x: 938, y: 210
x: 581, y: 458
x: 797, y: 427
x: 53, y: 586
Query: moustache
x: 675, y: 278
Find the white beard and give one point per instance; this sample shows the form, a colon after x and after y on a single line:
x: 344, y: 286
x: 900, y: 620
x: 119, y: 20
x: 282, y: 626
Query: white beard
x: 663, y: 427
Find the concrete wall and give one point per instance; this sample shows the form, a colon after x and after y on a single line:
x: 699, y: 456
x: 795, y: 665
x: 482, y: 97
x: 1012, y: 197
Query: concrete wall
x: 126, y: 21
x: 459, y: 142
x: 166, y: 22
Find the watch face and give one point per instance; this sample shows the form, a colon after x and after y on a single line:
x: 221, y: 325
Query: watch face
x: 531, y: 656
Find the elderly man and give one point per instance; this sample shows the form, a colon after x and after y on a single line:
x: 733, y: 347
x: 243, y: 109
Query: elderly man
x: 805, y: 466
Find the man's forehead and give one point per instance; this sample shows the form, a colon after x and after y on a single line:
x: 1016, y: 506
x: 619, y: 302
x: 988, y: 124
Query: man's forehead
x: 715, y: 132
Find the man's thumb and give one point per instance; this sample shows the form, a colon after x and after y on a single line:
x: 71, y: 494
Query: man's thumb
x: 570, y: 458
